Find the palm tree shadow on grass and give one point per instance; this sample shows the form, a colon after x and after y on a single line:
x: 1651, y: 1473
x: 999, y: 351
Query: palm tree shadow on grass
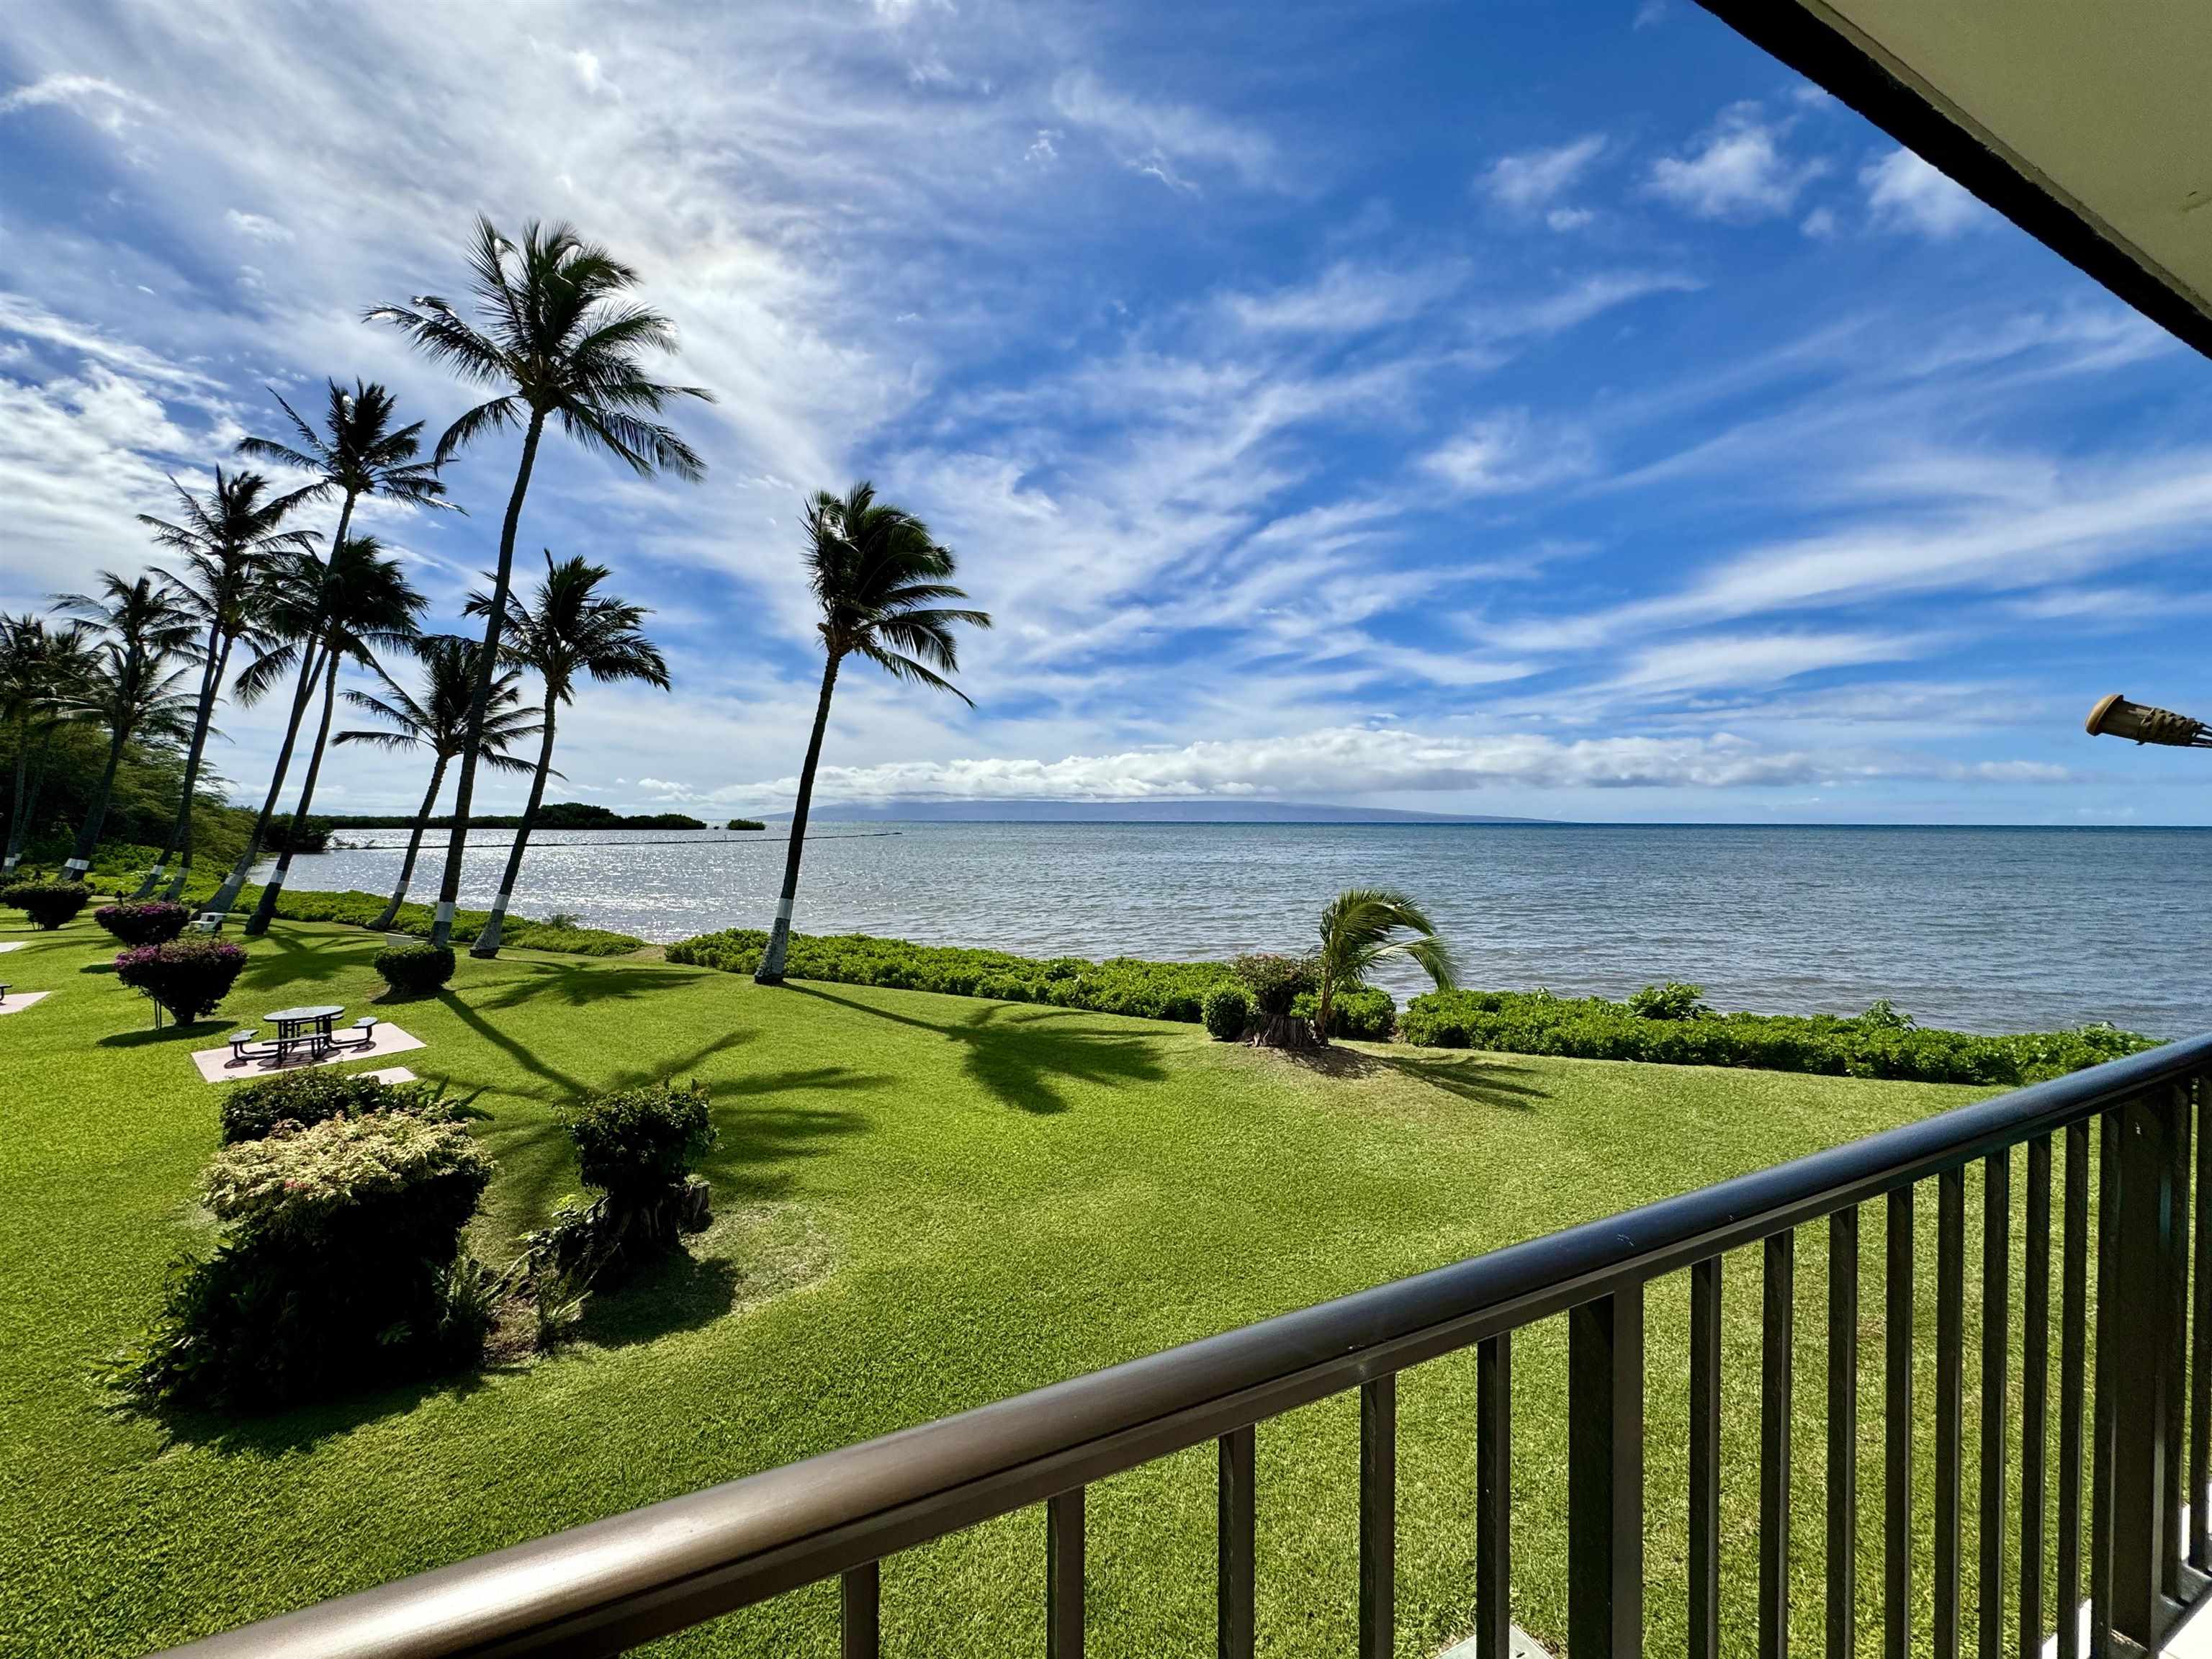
x: 1021, y: 1054
x: 1484, y: 1081
x: 579, y: 985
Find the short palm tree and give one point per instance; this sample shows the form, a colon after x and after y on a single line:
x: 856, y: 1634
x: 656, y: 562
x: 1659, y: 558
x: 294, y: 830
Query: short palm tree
x: 368, y: 604
x: 357, y: 453
x: 228, y: 539
x: 567, y: 629
x: 558, y: 338
x: 881, y: 582
x: 435, y: 717
x: 1360, y: 926
x: 141, y: 627
x: 45, y: 677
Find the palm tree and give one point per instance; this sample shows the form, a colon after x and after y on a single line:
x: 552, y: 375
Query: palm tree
x: 1360, y: 926
x: 228, y: 539
x: 436, y: 719
x: 560, y: 339
x: 367, y: 603
x: 568, y: 627
x: 45, y: 675
x: 140, y: 627
x: 880, y: 581
x: 358, y: 453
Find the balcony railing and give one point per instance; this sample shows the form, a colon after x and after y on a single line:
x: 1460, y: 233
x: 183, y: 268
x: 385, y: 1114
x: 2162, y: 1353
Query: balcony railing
x: 2120, y: 1137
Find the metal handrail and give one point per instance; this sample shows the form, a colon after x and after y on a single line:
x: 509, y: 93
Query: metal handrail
x: 610, y: 1584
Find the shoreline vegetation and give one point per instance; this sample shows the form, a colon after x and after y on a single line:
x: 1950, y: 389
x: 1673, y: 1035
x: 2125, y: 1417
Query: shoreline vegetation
x: 1665, y: 1025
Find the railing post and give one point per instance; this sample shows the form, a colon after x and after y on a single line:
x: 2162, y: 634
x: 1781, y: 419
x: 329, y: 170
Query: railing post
x: 1605, y: 1476
x: 2141, y: 1311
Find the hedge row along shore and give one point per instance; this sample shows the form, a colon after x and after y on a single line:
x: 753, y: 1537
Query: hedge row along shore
x: 1880, y: 1043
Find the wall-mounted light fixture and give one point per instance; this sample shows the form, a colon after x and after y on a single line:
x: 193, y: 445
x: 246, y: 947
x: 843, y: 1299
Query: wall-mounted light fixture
x: 2138, y: 722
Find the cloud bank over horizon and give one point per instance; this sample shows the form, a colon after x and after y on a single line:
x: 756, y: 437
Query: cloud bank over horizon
x: 1590, y: 419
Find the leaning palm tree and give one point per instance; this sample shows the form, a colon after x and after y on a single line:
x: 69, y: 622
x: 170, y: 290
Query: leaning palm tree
x: 358, y: 453
x: 142, y: 627
x: 45, y: 677
x: 567, y: 629
x: 881, y: 582
x: 1359, y: 927
x: 368, y: 604
x: 560, y: 339
x: 436, y: 718
x: 228, y: 539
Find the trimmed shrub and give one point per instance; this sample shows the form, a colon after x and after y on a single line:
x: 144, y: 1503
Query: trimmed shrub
x: 1366, y: 1012
x: 1275, y: 981
x: 150, y: 922
x: 48, y: 903
x: 315, y: 1094
x: 190, y: 977
x: 1227, y: 1011
x: 415, y: 970
x: 1673, y: 1000
x: 633, y: 1145
x: 1882, y: 1044
x: 336, y: 1269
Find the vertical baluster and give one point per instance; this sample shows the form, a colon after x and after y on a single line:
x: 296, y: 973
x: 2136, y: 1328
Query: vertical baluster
x: 1378, y: 1516
x: 1605, y: 1476
x: 1843, y: 1431
x: 1234, y: 1541
x: 1779, y: 1308
x: 858, y: 1606
x: 1897, y: 1432
x: 1950, y: 1340
x: 2034, y: 1386
x: 2171, y: 1539
x: 2106, y: 1411
x: 2140, y: 1296
x: 1063, y: 1575
x: 1705, y: 1459
x: 2200, y: 1349
x: 2073, y: 1366
x: 1493, y: 1483
x: 1997, y: 1343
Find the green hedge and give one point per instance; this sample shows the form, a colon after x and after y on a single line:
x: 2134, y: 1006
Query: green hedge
x: 1121, y: 985
x: 1879, y: 1043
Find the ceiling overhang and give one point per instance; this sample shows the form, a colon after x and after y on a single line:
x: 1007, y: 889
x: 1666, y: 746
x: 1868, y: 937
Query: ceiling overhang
x: 2084, y: 122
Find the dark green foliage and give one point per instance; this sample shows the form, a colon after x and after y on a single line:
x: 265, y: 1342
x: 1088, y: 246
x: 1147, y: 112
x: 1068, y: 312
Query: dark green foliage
x: 1673, y: 1000
x: 1275, y: 981
x: 555, y: 815
x: 744, y: 823
x: 148, y: 923
x: 415, y: 970
x: 1367, y: 1013
x: 634, y: 1143
x: 1120, y: 984
x: 48, y: 903
x: 313, y: 836
x: 1227, y: 1011
x: 313, y: 1095
x: 1880, y: 1043
x: 336, y: 1269
x: 190, y: 977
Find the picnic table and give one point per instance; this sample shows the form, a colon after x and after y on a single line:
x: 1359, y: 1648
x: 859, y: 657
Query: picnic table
x: 304, y: 1027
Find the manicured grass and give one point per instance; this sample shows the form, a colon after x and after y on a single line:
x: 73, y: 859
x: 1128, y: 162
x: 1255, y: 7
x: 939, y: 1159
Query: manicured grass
x: 924, y: 1203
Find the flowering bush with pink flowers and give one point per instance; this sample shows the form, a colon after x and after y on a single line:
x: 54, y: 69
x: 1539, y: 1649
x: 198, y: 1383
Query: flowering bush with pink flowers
x: 187, y: 976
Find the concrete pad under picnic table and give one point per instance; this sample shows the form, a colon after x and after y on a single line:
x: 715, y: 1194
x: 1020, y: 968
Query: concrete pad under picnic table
x: 15, y: 1001
x: 214, y: 1064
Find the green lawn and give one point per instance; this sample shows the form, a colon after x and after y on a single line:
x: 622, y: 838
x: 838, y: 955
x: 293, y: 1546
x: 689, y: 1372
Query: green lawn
x: 924, y: 1203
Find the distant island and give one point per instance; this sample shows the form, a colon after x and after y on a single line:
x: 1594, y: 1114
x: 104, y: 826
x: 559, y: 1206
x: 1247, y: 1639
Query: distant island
x: 1130, y: 812
x: 744, y: 823
x: 555, y: 815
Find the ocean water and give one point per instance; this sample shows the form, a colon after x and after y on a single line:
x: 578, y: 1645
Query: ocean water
x: 1982, y: 929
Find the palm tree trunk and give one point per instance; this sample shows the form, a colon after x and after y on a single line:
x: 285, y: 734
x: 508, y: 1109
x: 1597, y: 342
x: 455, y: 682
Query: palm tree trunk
x: 27, y: 798
x: 414, y: 847
x: 465, y: 790
x: 258, y: 924
x: 218, y: 658
x: 487, y: 943
x: 226, y: 895
x: 88, y: 835
x: 770, y: 971
x: 310, y: 666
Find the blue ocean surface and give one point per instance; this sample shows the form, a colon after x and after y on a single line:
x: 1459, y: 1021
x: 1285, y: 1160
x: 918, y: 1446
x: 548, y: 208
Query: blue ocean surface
x: 1982, y: 929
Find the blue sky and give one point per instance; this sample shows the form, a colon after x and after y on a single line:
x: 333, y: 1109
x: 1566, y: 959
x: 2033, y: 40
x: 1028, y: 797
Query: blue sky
x: 1514, y: 408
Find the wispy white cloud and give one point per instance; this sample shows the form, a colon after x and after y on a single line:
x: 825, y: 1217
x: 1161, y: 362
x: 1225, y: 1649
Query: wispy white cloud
x: 1738, y: 169
x: 1508, y: 453
x: 100, y: 98
x: 1346, y: 299
x: 1536, y: 179
x: 1904, y: 193
x: 1161, y: 138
